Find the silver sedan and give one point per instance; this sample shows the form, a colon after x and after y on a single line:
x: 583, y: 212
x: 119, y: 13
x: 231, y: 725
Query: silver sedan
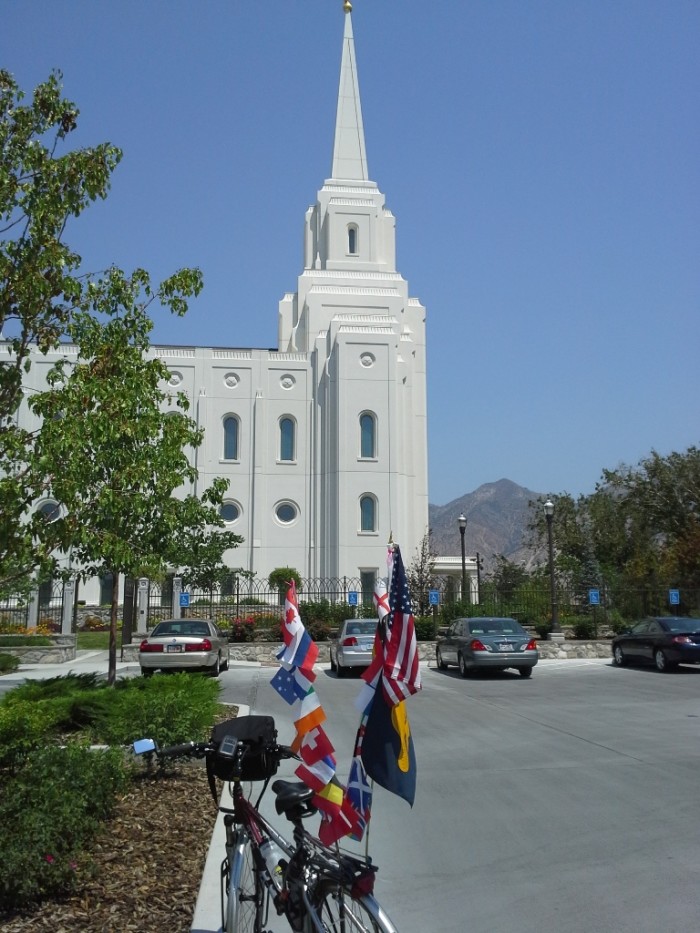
x: 184, y: 645
x: 353, y: 646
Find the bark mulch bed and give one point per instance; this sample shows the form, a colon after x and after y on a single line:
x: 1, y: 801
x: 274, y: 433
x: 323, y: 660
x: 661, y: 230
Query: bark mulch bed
x: 148, y: 862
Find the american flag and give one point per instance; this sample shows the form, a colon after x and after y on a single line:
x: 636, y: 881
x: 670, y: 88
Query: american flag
x: 400, y: 672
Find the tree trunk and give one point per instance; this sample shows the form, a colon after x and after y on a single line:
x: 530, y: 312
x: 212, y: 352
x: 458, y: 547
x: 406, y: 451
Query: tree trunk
x: 112, y: 667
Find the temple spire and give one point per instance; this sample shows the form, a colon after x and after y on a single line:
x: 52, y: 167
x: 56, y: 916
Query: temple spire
x: 349, y: 157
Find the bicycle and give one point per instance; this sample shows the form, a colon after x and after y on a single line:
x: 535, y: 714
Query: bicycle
x: 318, y: 889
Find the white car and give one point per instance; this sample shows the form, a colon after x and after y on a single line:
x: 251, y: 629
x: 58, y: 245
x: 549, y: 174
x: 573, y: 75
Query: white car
x: 353, y: 646
x: 184, y: 645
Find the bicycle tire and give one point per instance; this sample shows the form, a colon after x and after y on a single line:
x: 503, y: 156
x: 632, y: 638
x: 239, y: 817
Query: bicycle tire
x: 247, y: 899
x: 340, y: 911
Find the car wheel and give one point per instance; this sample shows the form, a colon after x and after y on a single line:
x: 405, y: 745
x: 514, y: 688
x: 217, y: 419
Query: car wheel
x: 334, y: 666
x: 438, y: 658
x: 342, y: 671
x: 463, y: 669
x: 662, y: 662
x: 525, y: 671
x: 147, y: 671
x: 215, y: 669
x: 619, y: 658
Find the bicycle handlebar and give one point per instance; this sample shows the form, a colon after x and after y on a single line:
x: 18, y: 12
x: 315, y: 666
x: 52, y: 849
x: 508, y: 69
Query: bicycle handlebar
x: 201, y: 749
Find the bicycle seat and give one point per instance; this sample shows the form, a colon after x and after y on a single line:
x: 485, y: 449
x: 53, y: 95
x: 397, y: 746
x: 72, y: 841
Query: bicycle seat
x: 291, y: 794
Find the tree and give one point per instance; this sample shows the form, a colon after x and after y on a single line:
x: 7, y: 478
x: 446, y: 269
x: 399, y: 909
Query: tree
x: 421, y: 573
x: 281, y: 577
x: 112, y: 444
x: 41, y: 189
x: 640, y: 529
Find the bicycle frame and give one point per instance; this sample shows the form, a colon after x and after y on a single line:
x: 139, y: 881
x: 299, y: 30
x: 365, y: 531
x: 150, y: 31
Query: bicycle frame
x: 245, y: 825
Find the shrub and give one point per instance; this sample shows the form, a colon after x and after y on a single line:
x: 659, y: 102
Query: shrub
x: 543, y: 629
x: 17, y: 641
x: 54, y: 806
x: 243, y: 629
x: 583, y: 627
x: 8, y: 663
x: 172, y: 709
x: 24, y: 726
x: 426, y: 628
x: 319, y: 629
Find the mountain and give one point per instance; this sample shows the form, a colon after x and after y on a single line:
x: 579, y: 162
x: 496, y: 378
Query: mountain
x: 497, y: 518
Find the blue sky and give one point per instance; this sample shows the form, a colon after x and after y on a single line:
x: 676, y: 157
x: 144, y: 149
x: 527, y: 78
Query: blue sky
x: 542, y: 160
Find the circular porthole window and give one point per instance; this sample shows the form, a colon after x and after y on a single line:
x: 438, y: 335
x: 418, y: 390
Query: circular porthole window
x: 50, y: 511
x: 286, y: 513
x: 230, y: 512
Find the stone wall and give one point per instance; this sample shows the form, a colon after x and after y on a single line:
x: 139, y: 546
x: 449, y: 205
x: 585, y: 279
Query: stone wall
x: 265, y: 652
x: 61, y: 650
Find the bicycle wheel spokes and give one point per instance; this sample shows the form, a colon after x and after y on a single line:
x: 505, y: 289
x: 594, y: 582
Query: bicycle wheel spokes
x: 340, y: 912
x: 246, y: 906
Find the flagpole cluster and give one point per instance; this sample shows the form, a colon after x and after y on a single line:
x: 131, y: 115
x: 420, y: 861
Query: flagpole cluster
x: 384, y: 749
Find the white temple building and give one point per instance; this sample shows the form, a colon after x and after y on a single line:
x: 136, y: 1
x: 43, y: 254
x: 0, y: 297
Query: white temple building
x: 324, y: 440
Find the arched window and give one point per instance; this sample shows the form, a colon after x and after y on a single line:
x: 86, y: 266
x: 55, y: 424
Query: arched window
x: 368, y: 435
x: 368, y: 513
x: 352, y: 239
x: 230, y: 438
x: 287, y: 451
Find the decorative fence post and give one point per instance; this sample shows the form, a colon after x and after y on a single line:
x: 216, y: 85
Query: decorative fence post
x: 68, y: 605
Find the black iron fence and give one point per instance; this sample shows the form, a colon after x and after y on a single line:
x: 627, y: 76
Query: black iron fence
x: 240, y: 602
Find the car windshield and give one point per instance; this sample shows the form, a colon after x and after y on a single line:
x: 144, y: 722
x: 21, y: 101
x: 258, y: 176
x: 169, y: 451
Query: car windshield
x: 180, y: 628
x: 496, y: 627
x: 361, y: 627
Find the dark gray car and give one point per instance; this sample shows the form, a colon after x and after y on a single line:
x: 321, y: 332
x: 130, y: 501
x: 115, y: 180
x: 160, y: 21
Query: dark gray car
x: 487, y: 643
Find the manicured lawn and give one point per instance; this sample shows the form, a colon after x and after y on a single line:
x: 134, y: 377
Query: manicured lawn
x: 95, y: 641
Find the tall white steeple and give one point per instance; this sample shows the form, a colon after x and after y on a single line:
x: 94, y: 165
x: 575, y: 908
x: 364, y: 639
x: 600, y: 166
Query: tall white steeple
x: 349, y: 157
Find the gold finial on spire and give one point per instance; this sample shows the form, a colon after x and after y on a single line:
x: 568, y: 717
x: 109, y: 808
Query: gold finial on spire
x: 347, y: 6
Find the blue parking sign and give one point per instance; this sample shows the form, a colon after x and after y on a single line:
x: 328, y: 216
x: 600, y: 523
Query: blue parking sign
x: 674, y: 597
x: 352, y: 598
x: 594, y: 597
x: 434, y: 597
x: 184, y: 600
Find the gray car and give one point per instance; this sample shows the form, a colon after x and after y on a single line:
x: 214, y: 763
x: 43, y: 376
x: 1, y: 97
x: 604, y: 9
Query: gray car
x: 184, y: 645
x: 487, y: 644
x: 353, y: 646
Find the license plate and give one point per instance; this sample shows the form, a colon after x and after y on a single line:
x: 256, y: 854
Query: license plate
x: 173, y: 647
x: 505, y: 647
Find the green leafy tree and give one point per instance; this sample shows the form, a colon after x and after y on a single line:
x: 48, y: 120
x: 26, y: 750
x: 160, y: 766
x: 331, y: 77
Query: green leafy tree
x: 281, y: 577
x: 42, y: 187
x: 639, y: 530
x: 112, y: 447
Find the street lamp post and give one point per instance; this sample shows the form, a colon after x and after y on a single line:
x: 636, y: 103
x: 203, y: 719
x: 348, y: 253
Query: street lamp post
x: 462, y: 528
x: 549, y: 515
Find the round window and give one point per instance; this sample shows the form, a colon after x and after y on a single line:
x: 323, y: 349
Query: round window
x: 286, y: 513
x: 229, y: 511
x: 50, y: 511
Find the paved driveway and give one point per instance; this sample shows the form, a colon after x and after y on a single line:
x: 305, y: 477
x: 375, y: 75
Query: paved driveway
x: 567, y: 803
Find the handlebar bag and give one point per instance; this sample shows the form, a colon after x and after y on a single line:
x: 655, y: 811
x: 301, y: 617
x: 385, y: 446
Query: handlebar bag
x: 259, y: 735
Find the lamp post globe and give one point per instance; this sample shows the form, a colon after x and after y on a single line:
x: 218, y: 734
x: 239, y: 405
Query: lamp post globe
x: 462, y: 520
x: 549, y: 515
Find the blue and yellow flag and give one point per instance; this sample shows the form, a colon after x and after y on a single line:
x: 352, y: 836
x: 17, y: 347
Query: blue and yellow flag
x: 387, y: 748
